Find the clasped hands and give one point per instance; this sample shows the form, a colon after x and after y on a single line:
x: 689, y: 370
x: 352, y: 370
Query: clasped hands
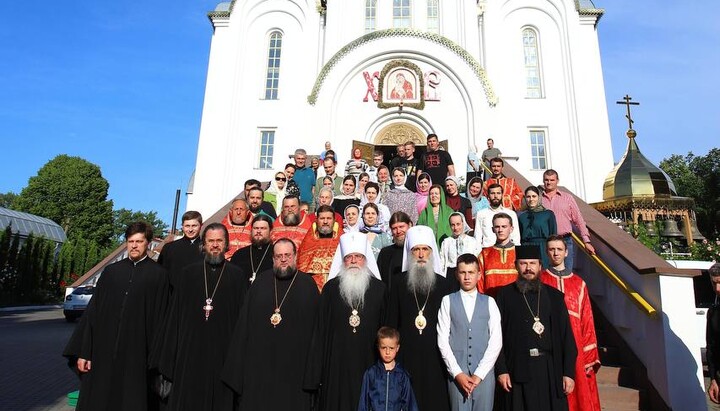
x: 467, y: 383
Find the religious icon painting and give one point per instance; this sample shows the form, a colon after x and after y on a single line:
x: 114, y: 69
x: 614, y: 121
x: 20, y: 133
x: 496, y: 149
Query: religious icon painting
x: 401, y: 85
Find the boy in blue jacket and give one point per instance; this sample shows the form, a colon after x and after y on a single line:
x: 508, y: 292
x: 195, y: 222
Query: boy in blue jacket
x: 386, y: 385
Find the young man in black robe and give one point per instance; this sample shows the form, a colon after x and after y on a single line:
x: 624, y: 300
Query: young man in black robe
x: 352, y: 307
x: 184, y: 251
x: 110, y: 345
x: 204, y: 311
x: 257, y: 257
x: 536, y: 366
x: 391, y: 257
x: 413, y: 310
x: 268, y: 352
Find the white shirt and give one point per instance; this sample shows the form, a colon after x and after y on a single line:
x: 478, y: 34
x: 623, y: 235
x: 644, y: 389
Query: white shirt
x: 451, y: 248
x: 483, y: 226
x: 494, y: 329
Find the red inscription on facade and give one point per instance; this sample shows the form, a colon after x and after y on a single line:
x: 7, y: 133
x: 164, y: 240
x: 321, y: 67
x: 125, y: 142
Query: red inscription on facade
x: 370, y: 81
x: 432, y: 81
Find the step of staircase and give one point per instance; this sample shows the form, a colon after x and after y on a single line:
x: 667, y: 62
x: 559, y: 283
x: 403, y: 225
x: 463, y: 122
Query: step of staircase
x: 613, y: 396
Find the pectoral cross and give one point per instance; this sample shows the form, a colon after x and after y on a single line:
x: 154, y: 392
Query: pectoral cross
x: 627, y: 102
x: 207, y: 308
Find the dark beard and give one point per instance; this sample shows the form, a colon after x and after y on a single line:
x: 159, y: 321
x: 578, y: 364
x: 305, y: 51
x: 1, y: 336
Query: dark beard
x: 291, y: 219
x: 214, y: 259
x: 495, y: 204
x: 254, y: 210
x: 525, y: 286
x: 284, y: 273
x: 262, y: 242
x: 421, y: 279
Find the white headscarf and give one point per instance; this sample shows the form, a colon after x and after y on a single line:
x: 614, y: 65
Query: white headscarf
x: 421, y: 235
x: 354, y: 242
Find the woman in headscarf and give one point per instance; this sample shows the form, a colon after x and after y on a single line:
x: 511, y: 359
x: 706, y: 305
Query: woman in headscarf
x: 436, y: 214
x: 422, y: 185
x: 356, y: 164
x: 459, y: 243
x: 454, y: 200
x: 400, y: 198
x: 376, y: 235
x: 362, y: 180
x: 371, y: 196
x: 276, y: 192
x: 352, y: 218
x: 347, y: 195
x: 474, y: 194
x: 537, y: 223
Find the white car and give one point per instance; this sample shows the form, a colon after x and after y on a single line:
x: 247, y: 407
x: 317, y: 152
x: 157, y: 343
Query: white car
x: 76, y: 302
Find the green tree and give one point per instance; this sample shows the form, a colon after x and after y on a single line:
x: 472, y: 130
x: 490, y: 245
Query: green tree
x: 5, y: 239
x: 699, y: 177
x: 7, y: 199
x: 72, y: 192
x: 123, y: 217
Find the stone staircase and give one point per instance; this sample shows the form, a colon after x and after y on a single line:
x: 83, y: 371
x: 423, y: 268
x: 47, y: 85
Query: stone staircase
x: 622, y: 380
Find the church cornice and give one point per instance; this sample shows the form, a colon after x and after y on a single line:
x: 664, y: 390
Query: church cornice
x: 382, y: 34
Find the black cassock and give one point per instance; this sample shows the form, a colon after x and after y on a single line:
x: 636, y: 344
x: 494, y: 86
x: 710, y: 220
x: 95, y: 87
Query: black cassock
x: 339, y: 356
x: 265, y: 364
x: 193, y: 349
x: 117, y: 333
x: 178, y: 254
x: 261, y: 260
x: 537, y: 381
x: 390, y: 262
x: 419, y: 353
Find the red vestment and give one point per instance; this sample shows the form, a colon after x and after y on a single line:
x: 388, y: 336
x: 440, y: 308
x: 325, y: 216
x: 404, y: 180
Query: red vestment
x: 316, y: 254
x: 497, y: 269
x: 239, y: 235
x: 585, y: 396
x: 512, y: 194
x: 293, y: 233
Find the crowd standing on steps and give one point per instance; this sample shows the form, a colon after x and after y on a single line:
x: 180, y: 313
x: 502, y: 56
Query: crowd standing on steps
x: 398, y: 286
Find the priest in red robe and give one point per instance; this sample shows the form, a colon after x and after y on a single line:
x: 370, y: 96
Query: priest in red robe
x: 239, y: 225
x: 292, y: 223
x: 318, y: 247
x: 585, y: 396
x: 512, y: 193
x: 497, y: 263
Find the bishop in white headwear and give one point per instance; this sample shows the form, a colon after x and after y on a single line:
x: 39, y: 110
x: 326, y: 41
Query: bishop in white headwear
x: 352, y: 309
x: 413, y: 308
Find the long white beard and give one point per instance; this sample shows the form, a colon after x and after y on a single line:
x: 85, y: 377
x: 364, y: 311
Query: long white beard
x: 354, y: 282
x: 421, y: 278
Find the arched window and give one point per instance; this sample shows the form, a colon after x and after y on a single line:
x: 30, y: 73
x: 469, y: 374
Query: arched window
x: 273, y: 66
x: 401, y: 14
x: 433, y: 15
x: 533, y: 78
x: 370, y: 14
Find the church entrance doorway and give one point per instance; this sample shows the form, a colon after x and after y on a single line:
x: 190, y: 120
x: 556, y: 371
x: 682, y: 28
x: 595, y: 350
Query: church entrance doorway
x: 392, y: 135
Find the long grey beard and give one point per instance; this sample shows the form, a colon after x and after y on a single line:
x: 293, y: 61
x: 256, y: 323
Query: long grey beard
x: 525, y: 286
x: 421, y: 278
x: 354, y: 282
x: 214, y: 259
x: 291, y: 219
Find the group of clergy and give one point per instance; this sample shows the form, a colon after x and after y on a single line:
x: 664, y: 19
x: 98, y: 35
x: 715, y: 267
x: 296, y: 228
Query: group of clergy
x: 254, y: 330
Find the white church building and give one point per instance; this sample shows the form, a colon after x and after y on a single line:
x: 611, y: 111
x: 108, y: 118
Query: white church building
x: 288, y: 74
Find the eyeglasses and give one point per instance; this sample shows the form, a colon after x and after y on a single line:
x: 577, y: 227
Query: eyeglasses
x: 280, y: 179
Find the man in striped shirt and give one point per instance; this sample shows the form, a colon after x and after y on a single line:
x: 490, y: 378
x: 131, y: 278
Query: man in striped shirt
x: 567, y: 215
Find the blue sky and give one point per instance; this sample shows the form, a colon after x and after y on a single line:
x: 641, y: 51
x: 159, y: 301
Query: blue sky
x: 121, y: 83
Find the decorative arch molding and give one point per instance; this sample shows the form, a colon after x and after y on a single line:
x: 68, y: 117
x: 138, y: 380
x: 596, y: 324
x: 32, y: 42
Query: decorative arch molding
x: 397, y: 133
x: 381, y: 34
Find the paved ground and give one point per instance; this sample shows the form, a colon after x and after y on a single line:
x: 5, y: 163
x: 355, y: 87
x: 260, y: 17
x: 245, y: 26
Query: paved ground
x: 34, y: 375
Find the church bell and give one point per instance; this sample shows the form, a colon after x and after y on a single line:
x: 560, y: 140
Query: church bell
x: 670, y: 229
x: 650, y: 228
x: 696, y: 234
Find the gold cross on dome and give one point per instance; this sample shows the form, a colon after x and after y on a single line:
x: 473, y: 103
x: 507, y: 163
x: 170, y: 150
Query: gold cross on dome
x: 627, y: 101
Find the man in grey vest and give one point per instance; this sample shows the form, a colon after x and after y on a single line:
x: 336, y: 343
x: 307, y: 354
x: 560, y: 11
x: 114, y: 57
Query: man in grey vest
x: 470, y: 339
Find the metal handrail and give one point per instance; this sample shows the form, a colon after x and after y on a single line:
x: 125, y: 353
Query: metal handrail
x: 634, y: 296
